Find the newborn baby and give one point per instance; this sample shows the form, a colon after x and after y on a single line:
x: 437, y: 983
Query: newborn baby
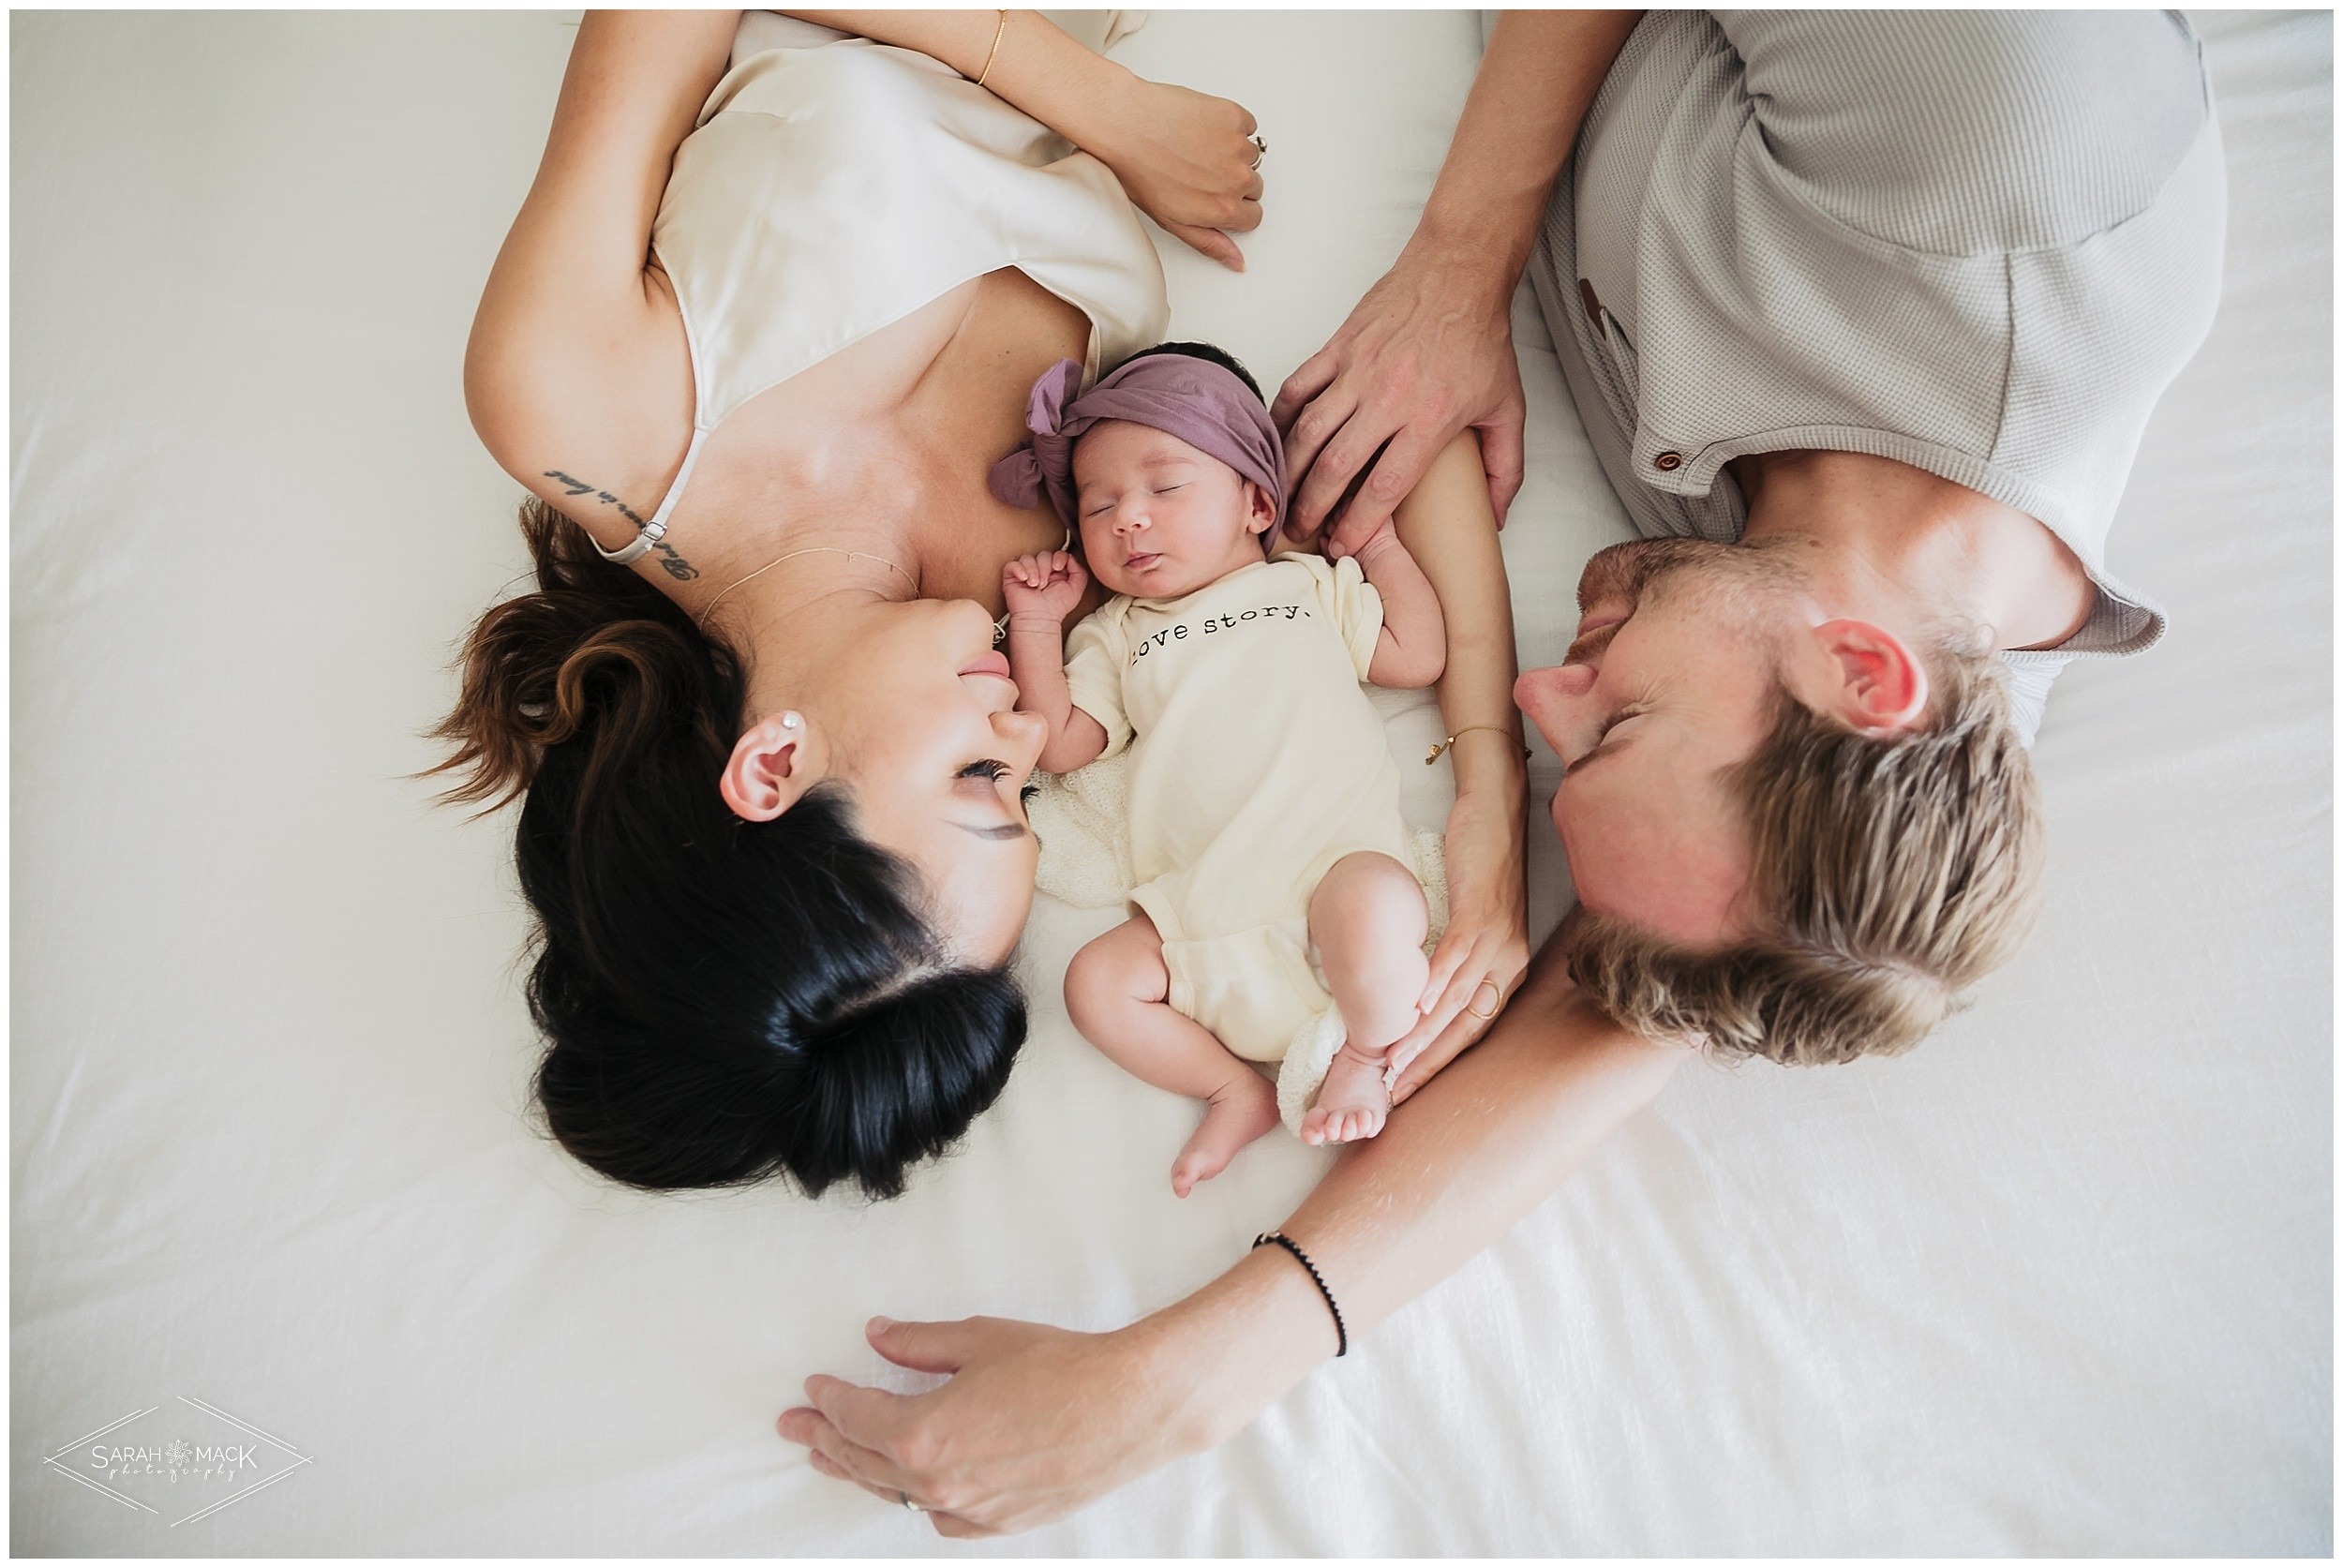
x: 1271, y: 863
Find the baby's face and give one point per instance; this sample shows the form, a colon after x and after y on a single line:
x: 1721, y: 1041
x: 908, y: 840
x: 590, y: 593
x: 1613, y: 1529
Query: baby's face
x: 1160, y: 518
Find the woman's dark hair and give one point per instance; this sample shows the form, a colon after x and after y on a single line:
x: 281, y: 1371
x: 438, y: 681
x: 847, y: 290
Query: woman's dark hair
x: 1209, y: 353
x: 725, y: 1000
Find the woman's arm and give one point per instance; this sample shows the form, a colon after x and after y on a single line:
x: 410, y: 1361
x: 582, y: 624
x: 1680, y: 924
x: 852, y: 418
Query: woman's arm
x: 1448, y: 526
x: 1036, y: 1422
x: 573, y: 358
x: 1183, y: 156
x: 1428, y: 352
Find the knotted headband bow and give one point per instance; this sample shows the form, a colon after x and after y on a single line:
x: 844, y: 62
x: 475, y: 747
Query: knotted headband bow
x: 1195, y: 400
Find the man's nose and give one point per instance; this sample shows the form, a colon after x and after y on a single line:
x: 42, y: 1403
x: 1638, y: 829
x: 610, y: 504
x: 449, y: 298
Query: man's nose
x: 1550, y: 696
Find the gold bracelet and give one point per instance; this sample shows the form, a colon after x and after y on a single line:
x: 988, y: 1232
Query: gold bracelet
x: 998, y: 29
x: 1433, y: 756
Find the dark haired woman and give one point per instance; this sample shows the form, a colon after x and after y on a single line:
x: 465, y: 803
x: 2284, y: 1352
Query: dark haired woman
x: 753, y: 374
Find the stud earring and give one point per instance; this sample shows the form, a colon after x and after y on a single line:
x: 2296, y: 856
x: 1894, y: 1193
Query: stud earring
x: 790, y: 721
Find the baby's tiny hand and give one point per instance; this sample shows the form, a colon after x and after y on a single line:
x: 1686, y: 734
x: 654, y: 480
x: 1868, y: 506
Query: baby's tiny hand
x: 1338, y: 544
x: 1049, y: 584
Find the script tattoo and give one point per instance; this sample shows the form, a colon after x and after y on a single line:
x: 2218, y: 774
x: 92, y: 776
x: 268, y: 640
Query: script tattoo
x: 671, y: 560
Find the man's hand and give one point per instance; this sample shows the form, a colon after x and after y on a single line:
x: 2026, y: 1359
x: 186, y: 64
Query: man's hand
x: 1043, y: 586
x: 1343, y: 542
x: 1427, y: 353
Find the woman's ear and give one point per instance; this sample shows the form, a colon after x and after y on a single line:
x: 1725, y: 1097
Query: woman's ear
x: 773, y: 765
x: 1878, y: 686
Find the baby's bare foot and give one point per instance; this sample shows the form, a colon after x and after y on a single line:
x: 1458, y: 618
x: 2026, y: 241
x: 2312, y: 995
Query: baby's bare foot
x: 1243, y: 1109
x: 1353, y: 1102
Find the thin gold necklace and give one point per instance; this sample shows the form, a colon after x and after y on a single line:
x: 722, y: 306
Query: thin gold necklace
x: 809, y: 550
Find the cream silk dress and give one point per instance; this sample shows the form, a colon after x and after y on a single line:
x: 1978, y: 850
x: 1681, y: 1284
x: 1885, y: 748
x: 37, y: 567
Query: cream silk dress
x: 834, y: 186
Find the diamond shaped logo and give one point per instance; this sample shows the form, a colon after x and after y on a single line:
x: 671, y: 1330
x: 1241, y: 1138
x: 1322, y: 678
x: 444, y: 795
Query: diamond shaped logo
x: 181, y: 1462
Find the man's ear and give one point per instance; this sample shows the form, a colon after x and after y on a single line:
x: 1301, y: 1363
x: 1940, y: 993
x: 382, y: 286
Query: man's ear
x: 1877, y: 685
x: 771, y: 767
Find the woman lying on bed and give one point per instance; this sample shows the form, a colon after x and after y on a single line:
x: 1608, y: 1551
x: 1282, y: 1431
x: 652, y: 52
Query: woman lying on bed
x: 753, y: 375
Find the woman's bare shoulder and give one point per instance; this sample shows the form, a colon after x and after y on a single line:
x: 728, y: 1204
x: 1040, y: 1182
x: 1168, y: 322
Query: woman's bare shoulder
x: 577, y: 354
x: 589, y: 408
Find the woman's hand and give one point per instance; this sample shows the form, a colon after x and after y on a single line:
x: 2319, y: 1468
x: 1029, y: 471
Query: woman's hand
x: 1035, y: 1422
x: 1187, y: 159
x: 1488, y: 940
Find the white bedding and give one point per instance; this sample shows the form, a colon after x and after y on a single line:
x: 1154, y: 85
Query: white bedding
x: 2059, y: 1282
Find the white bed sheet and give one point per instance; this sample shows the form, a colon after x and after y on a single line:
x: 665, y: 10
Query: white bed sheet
x: 2059, y: 1282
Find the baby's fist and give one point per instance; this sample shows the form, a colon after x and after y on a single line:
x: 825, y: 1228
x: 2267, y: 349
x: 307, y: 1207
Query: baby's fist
x: 1046, y: 585
x: 1342, y: 540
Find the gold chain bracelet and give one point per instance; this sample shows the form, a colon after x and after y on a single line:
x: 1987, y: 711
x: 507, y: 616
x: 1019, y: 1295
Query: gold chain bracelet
x: 1000, y: 27
x: 1433, y: 756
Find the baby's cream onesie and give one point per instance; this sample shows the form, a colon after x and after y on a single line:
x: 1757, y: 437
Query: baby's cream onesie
x: 1258, y: 764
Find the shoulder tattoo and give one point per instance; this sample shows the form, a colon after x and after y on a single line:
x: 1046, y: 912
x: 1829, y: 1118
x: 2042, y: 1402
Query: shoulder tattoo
x: 671, y: 560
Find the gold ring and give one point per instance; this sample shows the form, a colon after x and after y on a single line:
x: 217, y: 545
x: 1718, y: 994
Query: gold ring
x: 1494, y: 1007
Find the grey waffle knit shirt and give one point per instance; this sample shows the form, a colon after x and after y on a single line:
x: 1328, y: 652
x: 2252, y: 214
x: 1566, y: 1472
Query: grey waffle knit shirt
x: 1980, y: 243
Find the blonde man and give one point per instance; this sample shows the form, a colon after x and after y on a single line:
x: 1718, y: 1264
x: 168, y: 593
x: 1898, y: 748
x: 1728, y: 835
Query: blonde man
x: 1864, y: 313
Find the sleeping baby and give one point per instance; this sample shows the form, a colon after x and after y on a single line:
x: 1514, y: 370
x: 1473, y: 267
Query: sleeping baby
x: 1274, y: 891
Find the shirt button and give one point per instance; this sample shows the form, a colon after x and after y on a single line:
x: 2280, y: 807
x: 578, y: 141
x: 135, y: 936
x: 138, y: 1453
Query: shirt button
x: 1594, y: 306
x: 1668, y: 462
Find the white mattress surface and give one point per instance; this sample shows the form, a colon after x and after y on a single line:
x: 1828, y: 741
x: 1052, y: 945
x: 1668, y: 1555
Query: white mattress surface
x: 2059, y: 1282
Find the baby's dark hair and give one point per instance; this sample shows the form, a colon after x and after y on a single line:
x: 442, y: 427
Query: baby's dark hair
x: 722, y: 1001
x: 1211, y: 355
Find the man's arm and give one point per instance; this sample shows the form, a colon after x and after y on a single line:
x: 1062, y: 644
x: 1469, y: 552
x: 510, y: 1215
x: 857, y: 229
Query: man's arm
x: 1428, y: 352
x: 1035, y: 1422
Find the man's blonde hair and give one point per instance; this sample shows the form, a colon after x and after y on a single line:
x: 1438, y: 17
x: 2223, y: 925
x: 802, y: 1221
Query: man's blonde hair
x: 1891, y: 874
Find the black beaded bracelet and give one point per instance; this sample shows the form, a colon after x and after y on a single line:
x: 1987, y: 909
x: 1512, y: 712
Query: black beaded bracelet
x: 1342, y: 1335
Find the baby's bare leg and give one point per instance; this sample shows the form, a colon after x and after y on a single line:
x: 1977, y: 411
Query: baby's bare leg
x: 1368, y: 919
x: 1116, y: 989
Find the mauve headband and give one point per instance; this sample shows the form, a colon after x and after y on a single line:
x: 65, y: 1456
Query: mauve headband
x: 1201, y: 403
